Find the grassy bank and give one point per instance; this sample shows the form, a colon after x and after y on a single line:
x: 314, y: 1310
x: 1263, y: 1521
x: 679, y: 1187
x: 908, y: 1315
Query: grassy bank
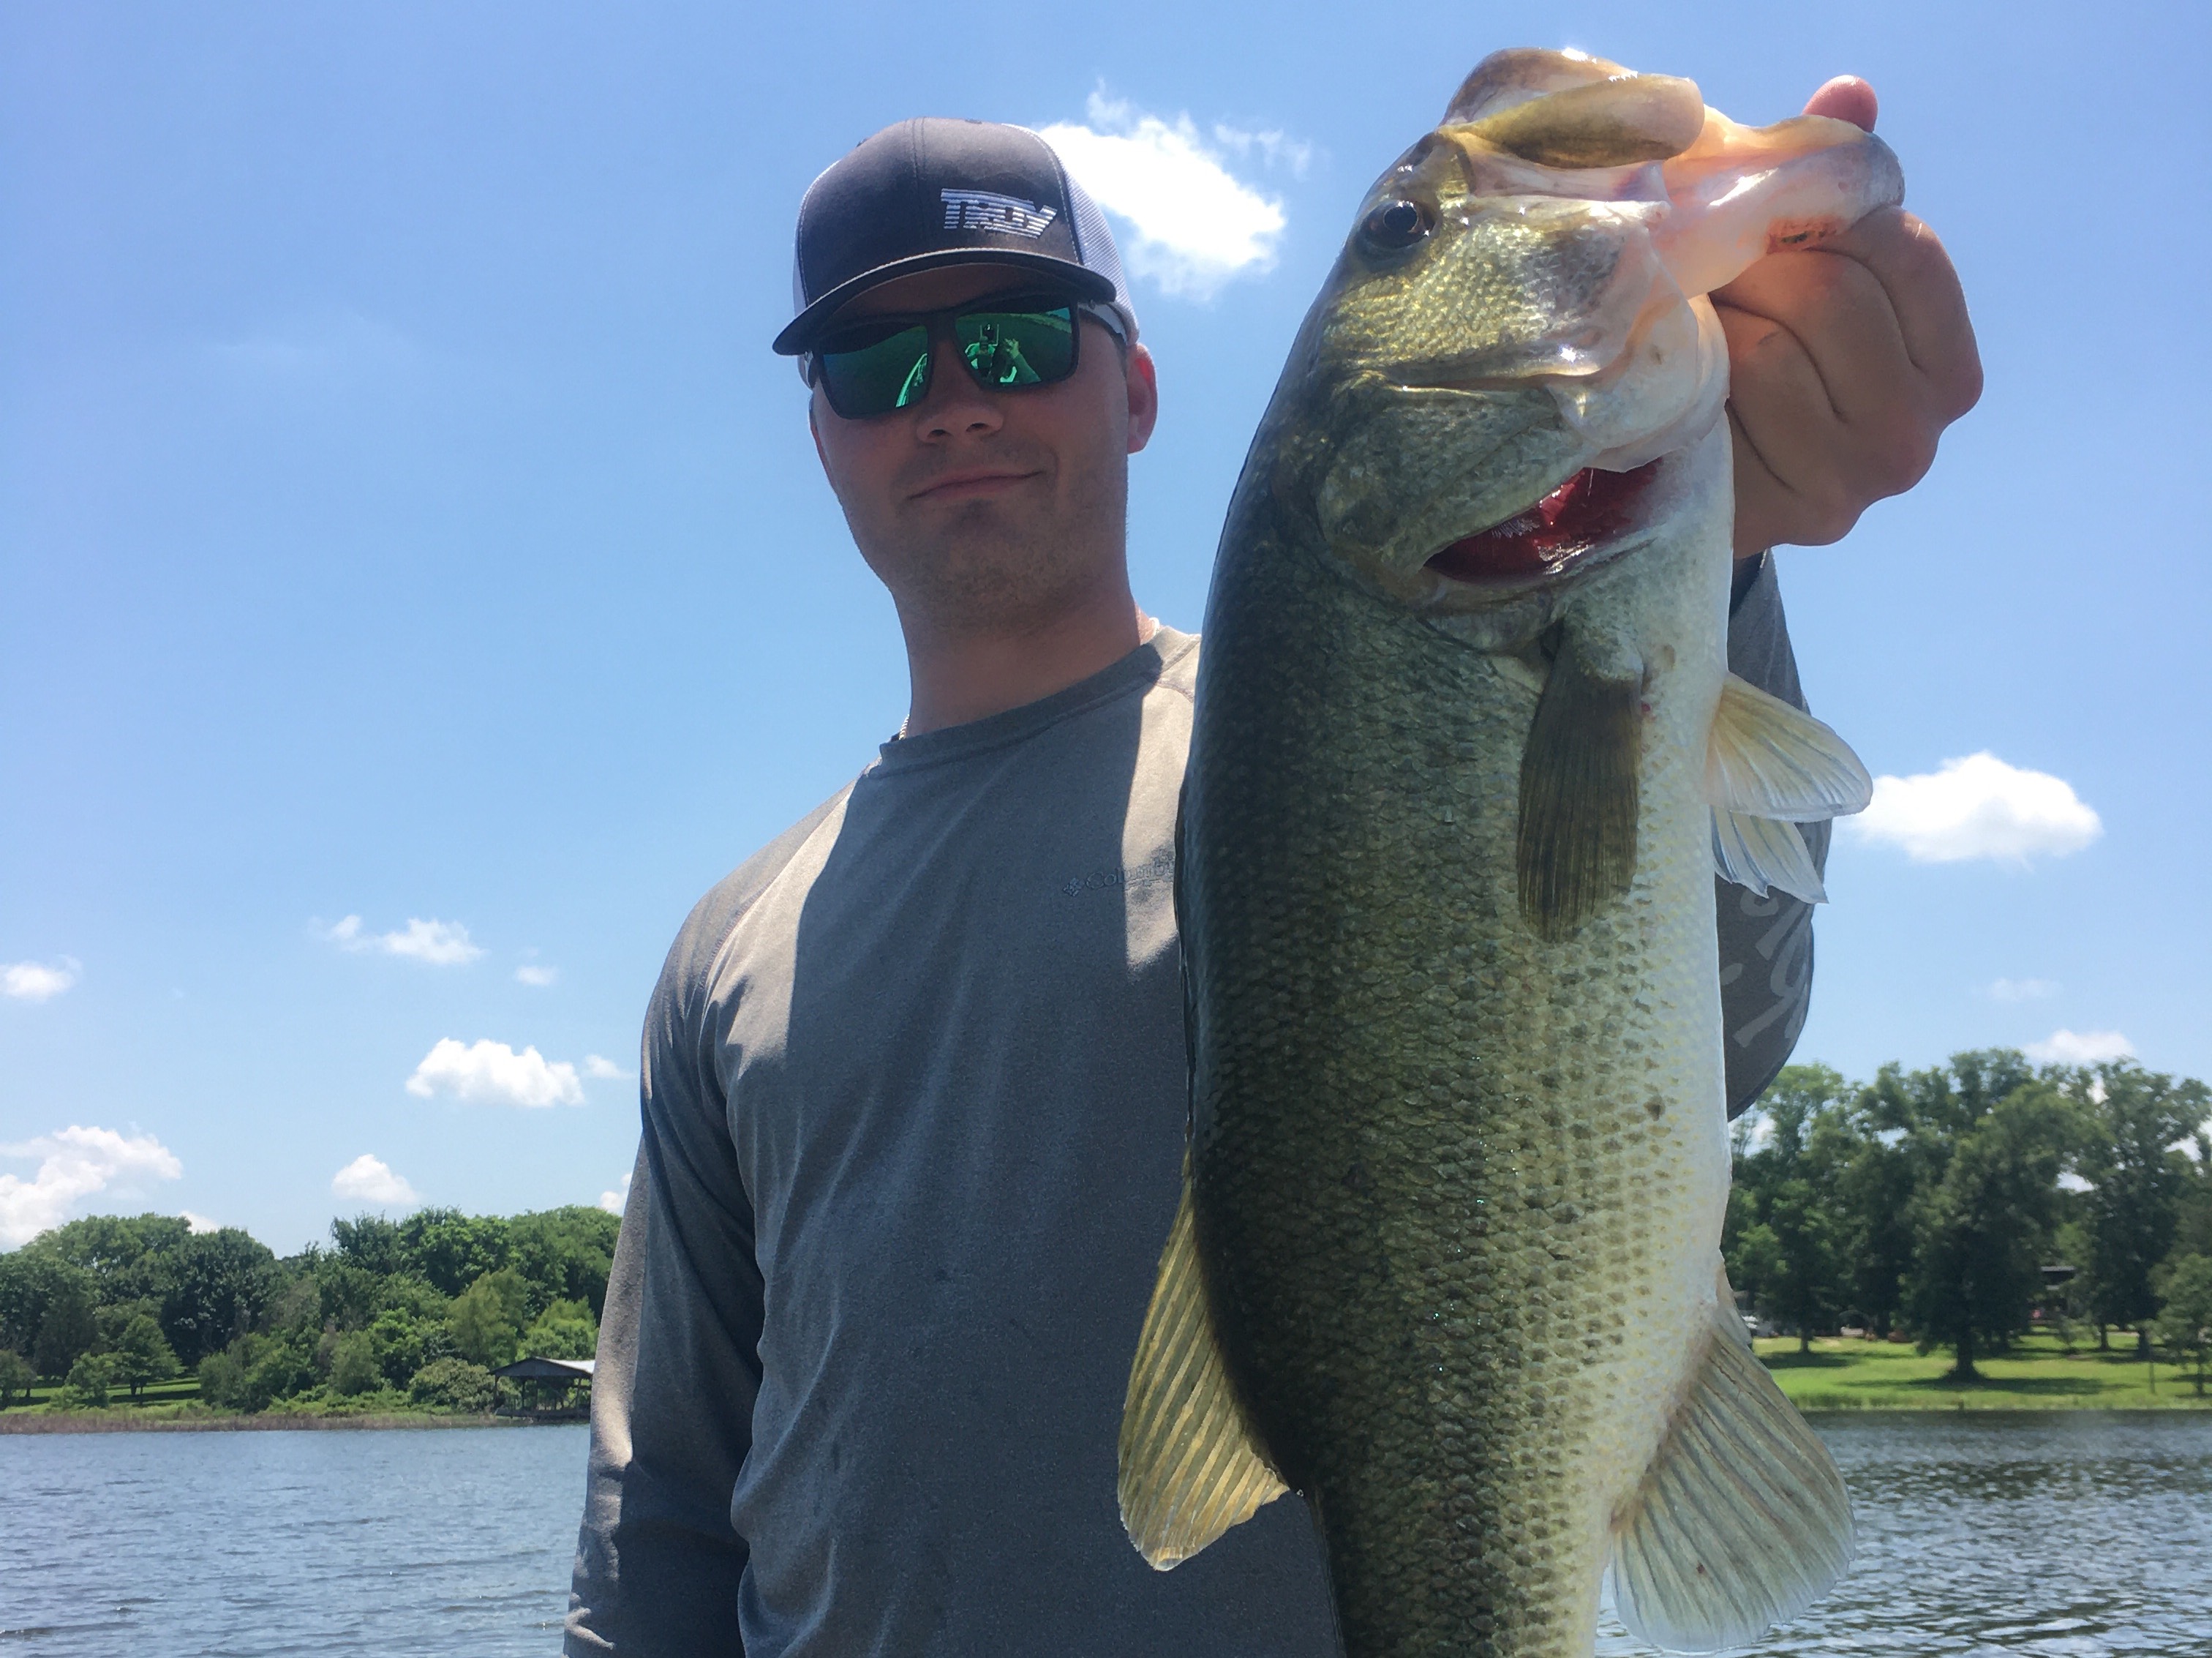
x: 2037, y: 1374
x: 197, y: 1419
x: 177, y: 1408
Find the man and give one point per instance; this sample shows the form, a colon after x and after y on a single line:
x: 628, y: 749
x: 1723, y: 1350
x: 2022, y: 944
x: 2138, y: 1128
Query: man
x: 914, y: 1075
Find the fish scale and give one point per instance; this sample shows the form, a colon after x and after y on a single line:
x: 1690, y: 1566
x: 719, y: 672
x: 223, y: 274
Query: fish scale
x: 1447, y: 1261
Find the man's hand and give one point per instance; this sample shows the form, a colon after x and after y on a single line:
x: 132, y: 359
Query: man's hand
x: 1846, y: 362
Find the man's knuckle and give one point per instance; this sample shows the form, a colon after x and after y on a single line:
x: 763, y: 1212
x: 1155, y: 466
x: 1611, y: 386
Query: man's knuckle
x: 1902, y: 456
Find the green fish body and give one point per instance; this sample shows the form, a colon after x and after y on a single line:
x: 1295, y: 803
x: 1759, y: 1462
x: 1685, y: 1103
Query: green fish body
x: 1466, y: 755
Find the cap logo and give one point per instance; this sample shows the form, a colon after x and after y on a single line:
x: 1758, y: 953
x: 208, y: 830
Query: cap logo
x: 987, y: 211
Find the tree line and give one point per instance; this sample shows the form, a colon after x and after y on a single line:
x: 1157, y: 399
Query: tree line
x: 1947, y: 1204
x: 393, y: 1314
x: 1928, y: 1203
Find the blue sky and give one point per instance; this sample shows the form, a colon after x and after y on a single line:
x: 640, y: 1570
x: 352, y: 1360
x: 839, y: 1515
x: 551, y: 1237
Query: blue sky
x: 402, y: 519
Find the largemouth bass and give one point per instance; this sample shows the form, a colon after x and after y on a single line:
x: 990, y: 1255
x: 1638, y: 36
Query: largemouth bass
x: 1466, y: 756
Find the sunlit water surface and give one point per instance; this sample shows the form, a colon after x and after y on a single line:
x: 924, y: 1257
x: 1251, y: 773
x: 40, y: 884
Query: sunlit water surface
x: 2057, y: 1534
x: 445, y: 1541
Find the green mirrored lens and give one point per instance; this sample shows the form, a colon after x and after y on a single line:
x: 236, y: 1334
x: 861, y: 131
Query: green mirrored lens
x: 1018, y: 347
x: 873, y: 377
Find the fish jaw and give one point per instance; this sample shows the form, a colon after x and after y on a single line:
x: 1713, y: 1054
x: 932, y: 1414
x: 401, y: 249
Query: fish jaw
x: 1498, y: 324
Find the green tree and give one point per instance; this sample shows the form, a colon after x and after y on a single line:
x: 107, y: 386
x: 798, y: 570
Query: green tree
x: 138, y: 1353
x: 450, y: 1384
x: 565, y: 1330
x: 2193, y: 1226
x: 451, y: 1249
x: 2185, y: 1320
x: 350, y: 1296
x: 565, y: 1253
x: 69, y: 1329
x: 2136, y: 1175
x: 1787, y: 1257
x: 34, y: 1280
x: 372, y: 1243
x: 114, y: 1248
x: 403, y: 1341
x: 354, y: 1369
x: 15, y: 1377
x: 487, y: 1316
x: 256, y: 1371
x: 2002, y: 1138
x: 86, y: 1387
x: 222, y: 1378
x: 219, y: 1286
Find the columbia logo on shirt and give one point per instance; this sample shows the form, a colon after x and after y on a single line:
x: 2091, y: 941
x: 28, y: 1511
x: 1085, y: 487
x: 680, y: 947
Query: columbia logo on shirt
x: 987, y: 211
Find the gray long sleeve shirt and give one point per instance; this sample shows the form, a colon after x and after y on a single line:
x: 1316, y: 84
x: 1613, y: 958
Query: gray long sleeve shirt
x: 913, y: 1104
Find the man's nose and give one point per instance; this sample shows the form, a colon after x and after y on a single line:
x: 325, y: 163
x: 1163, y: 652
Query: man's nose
x: 955, y: 405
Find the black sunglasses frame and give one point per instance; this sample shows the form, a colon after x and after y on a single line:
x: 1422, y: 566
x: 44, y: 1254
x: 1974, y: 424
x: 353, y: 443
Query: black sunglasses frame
x: 940, y: 325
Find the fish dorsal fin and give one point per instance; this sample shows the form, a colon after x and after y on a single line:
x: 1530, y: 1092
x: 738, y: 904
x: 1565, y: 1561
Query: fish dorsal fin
x: 1769, y: 760
x: 1189, y: 1467
x: 1763, y: 852
x: 1742, y: 1521
x: 1579, y: 787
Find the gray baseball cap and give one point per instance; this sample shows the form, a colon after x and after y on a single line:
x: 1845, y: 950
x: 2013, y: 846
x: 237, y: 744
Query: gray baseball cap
x: 931, y: 192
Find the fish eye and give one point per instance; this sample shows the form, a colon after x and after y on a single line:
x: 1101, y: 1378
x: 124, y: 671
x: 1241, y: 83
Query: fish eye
x: 1395, y: 226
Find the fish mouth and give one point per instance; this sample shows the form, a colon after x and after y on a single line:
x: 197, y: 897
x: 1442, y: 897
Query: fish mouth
x: 1575, y: 523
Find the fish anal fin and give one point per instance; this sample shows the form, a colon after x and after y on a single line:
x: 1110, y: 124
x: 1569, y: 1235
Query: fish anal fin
x: 1767, y: 760
x: 1190, y: 1468
x: 1742, y: 1521
x: 1576, y: 846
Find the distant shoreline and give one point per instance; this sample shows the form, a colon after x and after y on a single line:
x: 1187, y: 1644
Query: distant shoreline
x: 130, y: 1422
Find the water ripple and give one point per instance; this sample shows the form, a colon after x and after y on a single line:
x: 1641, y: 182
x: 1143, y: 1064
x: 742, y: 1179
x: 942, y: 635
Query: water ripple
x: 2055, y: 1535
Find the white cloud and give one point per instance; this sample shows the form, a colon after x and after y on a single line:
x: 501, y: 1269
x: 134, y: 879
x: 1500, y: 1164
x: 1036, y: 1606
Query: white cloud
x: 1274, y: 146
x: 1195, y: 225
x: 603, y: 1069
x: 38, y: 981
x: 75, y: 1163
x: 201, y: 1222
x: 1978, y: 807
x: 2023, y: 989
x: 540, y: 977
x: 495, y: 1073
x: 2064, y: 1047
x: 369, y: 1179
x: 440, y: 943
x: 612, y: 1202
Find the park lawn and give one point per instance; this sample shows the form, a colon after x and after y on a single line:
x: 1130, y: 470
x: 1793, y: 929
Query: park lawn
x: 181, y: 1390
x: 2036, y: 1374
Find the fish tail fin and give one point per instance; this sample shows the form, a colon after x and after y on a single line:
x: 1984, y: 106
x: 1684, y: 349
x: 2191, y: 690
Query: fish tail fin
x: 1768, y: 768
x: 1742, y: 1521
x: 1190, y: 1468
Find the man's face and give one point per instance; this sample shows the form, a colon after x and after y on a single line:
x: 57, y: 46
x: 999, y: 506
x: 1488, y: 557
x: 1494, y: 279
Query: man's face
x: 982, y: 509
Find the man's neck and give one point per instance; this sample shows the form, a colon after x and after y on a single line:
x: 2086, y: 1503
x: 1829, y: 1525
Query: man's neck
x: 968, y: 676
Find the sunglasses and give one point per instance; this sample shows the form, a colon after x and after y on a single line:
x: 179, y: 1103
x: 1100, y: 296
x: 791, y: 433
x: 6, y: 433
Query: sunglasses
x: 880, y: 365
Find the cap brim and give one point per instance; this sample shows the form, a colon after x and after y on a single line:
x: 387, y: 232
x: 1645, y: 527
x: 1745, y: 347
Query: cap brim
x: 799, y: 336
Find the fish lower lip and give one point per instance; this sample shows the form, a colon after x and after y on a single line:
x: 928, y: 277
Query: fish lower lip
x: 1550, y: 537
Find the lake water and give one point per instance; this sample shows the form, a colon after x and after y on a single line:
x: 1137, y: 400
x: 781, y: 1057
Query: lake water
x: 2053, y: 1534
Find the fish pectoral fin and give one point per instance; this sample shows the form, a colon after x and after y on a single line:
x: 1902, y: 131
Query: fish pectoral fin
x: 1768, y: 759
x: 1742, y: 1521
x: 1763, y: 852
x: 1190, y: 1469
x: 1576, y: 842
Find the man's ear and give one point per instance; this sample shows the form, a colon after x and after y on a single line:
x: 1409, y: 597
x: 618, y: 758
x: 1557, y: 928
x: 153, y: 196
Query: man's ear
x: 1144, y: 397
